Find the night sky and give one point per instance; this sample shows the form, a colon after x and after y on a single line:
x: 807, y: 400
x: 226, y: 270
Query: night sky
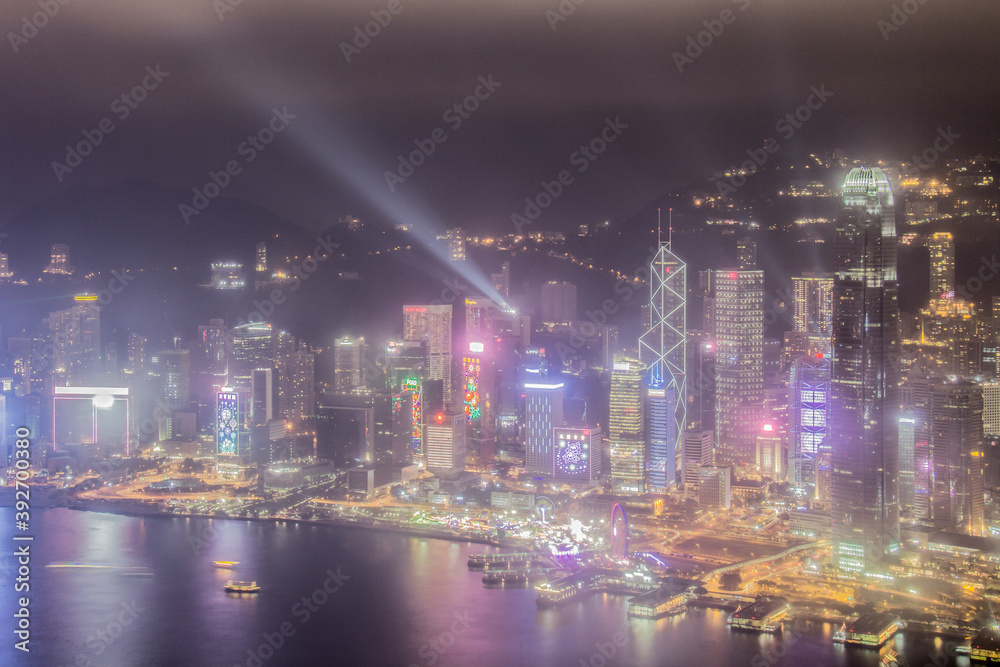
x: 561, y: 78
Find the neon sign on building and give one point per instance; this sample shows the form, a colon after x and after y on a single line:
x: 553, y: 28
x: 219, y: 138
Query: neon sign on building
x: 227, y: 423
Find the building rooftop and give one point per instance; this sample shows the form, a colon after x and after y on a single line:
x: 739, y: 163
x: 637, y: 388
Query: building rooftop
x: 762, y: 608
x: 872, y: 624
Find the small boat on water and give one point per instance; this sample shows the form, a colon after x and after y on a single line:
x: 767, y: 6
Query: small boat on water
x: 242, y: 587
x: 228, y: 564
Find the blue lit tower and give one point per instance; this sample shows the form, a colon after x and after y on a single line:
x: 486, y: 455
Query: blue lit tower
x: 865, y: 387
x: 809, y: 417
x: 663, y: 349
x: 661, y: 433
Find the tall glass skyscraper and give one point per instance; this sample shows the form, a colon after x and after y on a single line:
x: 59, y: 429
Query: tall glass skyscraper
x: 866, y: 378
x: 663, y: 349
x: 942, y: 256
x: 626, y: 426
x: 739, y: 358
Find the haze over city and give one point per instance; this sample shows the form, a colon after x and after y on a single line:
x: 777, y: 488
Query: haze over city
x: 531, y: 333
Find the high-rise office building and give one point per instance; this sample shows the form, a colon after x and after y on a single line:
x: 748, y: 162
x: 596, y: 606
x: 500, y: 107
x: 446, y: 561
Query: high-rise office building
x: 715, y: 487
x: 942, y: 257
x: 137, y: 354
x: 577, y: 453
x: 227, y: 433
x: 480, y: 393
x: 214, y: 340
x: 252, y: 346
x: 76, y: 336
x: 916, y: 400
x: 558, y: 303
x: 662, y: 436
x: 263, y: 397
x: 663, y: 348
x: 956, y: 443
x: 991, y: 407
x: 699, y: 446
x: 813, y: 312
x: 626, y: 426
x: 809, y: 417
x: 392, y: 416
x: 480, y: 319
x: 445, y: 443
x: 907, y: 461
x: 175, y: 373
x: 297, y: 384
x: 349, y: 363
x: 739, y: 358
x: 432, y: 324
x: 865, y: 387
x: 543, y: 412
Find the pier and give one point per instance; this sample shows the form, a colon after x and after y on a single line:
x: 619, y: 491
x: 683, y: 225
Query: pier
x: 764, y: 615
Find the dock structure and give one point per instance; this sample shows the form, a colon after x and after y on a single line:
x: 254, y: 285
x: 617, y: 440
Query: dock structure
x: 664, y: 601
x: 872, y: 630
x: 592, y: 580
x: 764, y: 615
x: 504, y: 561
x: 985, y: 647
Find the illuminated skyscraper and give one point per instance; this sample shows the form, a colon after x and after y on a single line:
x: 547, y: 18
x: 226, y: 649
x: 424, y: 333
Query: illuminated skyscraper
x: 261, y: 265
x: 480, y: 319
x: 626, y: 426
x: 907, y: 461
x: 698, y: 451
x: 252, y: 347
x: 213, y: 339
x: 813, y: 312
x: 480, y: 394
x: 59, y: 261
x: 76, y: 335
x: 455, y: 238
x: 739, y: 358
x: 577, y: 453
x: 942, y: 255
x: 137, y: 354
x: 956, y: 442
x: 543, y: 413
x: 227, y: 434
x: 296, y: 368
x: 746, y: 254
x: 349, y: 363
x: 175, y: 373
x: 445, y: 443
x: 663, y: 348
x: 865, y: 387
x: 5, y: 271
x: 432, y: 324
x: 809, y: 417
x: 991, y: 407
x: 501, y: 281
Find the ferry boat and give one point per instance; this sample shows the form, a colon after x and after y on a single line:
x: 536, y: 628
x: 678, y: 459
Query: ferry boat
x: 242, y: 587
x: 227, y: 564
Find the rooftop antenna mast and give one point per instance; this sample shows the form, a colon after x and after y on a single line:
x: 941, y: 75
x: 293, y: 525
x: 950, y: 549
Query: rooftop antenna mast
x: 670, y: 234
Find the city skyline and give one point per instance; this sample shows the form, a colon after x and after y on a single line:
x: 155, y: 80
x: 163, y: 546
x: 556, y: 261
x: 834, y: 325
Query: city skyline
x: 527, y: 333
